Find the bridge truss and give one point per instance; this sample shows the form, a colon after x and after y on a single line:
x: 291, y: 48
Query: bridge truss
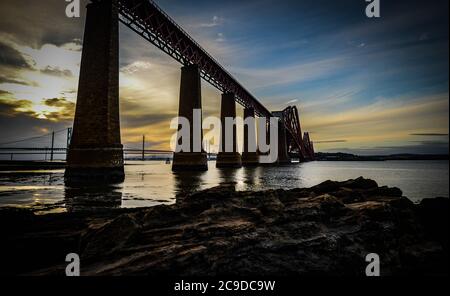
x: 297, y: 145
x: 152, y: 23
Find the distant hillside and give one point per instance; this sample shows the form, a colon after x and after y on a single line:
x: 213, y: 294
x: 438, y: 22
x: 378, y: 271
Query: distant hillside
x: 321, y: 156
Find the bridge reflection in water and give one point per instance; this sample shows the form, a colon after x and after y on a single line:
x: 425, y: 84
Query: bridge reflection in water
x: 187, y: 182
x: 99, y: 197
x: 146, y: 184
x: 92, y: 197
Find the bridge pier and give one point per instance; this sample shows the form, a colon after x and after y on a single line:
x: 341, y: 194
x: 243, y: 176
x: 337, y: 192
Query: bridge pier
x: 96, y: 151
x: 309, y: 148
x: 249, y: 158
x: 226, y: 159
x: 190, y: 99
x: 283, y: 155
x: 267, y: 142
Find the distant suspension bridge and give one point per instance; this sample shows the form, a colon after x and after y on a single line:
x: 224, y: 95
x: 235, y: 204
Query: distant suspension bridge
x: 53, y: 146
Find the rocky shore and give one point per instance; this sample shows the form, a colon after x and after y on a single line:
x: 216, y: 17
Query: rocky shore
x: 324, y: 230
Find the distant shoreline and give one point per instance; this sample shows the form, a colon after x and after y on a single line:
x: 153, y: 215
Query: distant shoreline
x: 321, y: 156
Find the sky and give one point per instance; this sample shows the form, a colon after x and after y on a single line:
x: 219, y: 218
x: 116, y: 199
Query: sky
x: 362, y: 85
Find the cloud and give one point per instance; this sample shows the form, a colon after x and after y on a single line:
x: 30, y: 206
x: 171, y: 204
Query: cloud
x: 57, y: 109
x: 56, y: 71
x: 10, y: 107
x: 264, y: 78
x: 385, y: 121
x: 291, y: 101
x: 146, y: 120
x: 215, y: 21
x: 429, y: 134
x: 53, y: 59
x: 330, y: 141
x: 393, y: 110
x: 3, y: 93
x: 68, y: 92
x: 424, y: 148
x: 135, y: 67
x: 58, y: 102
x: 74, y: 45
x: 439, y: 143
x: 332, y: 99
x: 408, y: 147
x: 36, y: 23
x: 18, y: 121
x: 16, y: 80
x: 220, y: 37
x: 65, y: 110
x: 135, y: 114
x: 11, y: 57
x: 33, y: 74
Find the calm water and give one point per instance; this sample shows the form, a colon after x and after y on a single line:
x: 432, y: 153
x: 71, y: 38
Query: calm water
x: 152, y: 183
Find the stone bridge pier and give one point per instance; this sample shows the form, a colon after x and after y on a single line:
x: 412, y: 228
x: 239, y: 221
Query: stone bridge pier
x: 249, y: 158
x: 191, y: 98
x: 228, y: 155
x: 95, y: 151
x: 283, y: 155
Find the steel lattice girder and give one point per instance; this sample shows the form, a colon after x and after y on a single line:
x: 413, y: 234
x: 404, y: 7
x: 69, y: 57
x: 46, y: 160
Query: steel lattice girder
x: 308, y: 145
x: 303, y: 145
x: 148, y: 20
x: 152, y: 23
x: 292, y: 123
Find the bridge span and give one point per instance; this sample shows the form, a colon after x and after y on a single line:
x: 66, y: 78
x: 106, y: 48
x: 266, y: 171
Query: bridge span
x: 96, y: 150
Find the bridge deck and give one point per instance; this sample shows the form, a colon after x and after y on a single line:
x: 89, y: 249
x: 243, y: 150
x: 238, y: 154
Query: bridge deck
x: 148, y: 20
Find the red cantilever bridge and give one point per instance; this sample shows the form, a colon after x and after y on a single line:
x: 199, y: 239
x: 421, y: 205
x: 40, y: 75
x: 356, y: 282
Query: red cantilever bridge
x: 96, y: 149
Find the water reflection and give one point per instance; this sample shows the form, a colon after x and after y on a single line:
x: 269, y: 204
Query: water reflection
x: 153, y: 183
x: 251, y: 176
x: 227, y: 176
x: 187, y: 182
x: 52, y: 179
x: 90, y: 197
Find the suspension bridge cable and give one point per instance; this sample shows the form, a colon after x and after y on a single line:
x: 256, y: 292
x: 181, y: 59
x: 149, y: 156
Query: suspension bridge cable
x: 32, y: 138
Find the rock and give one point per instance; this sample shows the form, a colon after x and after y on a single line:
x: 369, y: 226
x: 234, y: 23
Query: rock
x: 109, y: 237
x: 347, y: 195
x: 327, y: 229
x: 326, y: 186
x: 359, y: 183
x: 222, y: 191
x: 385, y: 191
